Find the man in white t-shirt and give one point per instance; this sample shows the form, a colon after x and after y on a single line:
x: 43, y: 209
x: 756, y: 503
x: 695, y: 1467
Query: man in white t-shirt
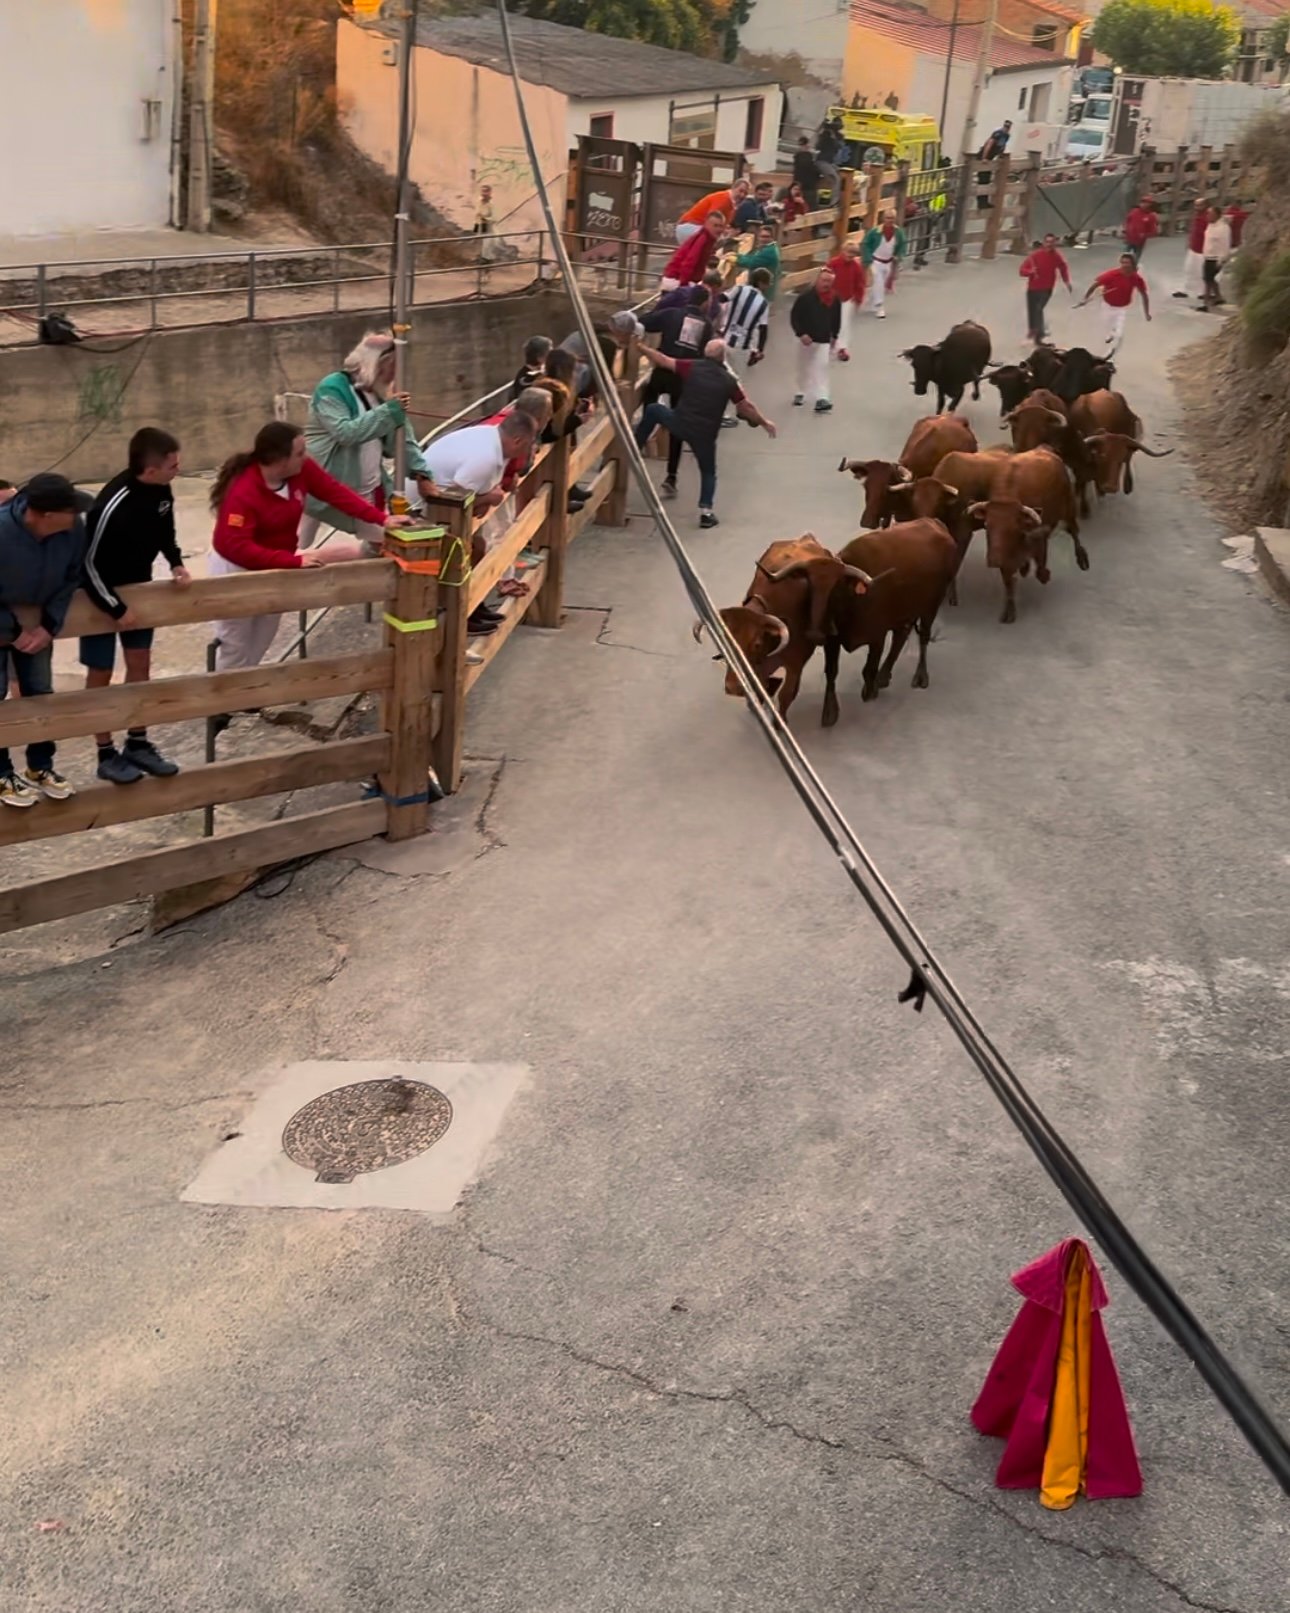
x: 473, y: 460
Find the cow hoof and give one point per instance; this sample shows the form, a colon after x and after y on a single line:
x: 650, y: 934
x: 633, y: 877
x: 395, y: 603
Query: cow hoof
x: 1043, y: 574
x: 1081, y: 557
x: 1009, y: 612
x: 921, y: 680
x: 952, y: 595
x: 884, y: 679
x: 1025, y: 568
x: 869, y: 692
x: 829, y: 716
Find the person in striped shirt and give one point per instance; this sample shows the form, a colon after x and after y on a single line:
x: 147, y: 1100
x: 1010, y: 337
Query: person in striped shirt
x: 748, y: 317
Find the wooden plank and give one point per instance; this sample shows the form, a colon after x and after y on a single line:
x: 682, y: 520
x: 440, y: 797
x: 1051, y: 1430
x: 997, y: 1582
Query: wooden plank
x: 601, y: 488
x: 547, y: 593
x: 215, y: 784
x: 514, y: 612
x: 202, y: 694
x: 501, y: 557
x: 243, y: 593
x: 152, y: 871
x: 591, y: 444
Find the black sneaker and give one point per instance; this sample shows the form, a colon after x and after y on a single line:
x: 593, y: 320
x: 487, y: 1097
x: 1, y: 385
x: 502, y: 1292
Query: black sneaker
x: 486, y: 613
x: 117, y: 769
x: 480, y: 627
x: 581, y: 490
x: 706, y: 518
x: 148, y: 759
x: 667, y: 487
x: 823, y: 406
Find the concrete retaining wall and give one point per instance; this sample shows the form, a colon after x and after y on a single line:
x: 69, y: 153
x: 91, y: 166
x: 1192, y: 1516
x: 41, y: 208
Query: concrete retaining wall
x: 214, y: 386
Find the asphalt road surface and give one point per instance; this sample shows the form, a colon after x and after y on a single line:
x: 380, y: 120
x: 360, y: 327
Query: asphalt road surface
x: 706, y: 1332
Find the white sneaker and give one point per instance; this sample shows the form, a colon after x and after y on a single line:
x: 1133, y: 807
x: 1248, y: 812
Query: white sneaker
x: 16, y: 792
x: 882, y: 313
x: 474, y: 657
x: 46, y: 782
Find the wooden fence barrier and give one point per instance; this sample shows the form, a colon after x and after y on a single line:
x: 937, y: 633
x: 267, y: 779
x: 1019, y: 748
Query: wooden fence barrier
x: 425, y: 588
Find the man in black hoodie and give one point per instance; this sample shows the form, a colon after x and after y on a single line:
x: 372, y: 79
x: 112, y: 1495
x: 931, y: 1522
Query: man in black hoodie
x: 132, y: 521
x: 816, y: 320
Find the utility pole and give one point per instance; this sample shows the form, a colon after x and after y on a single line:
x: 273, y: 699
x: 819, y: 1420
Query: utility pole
x: 949, y: 68
x: 403, y: 233
x: 978, y: 80
x: 201, y: 116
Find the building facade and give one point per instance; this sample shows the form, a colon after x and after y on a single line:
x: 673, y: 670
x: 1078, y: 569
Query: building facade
x: 86, y: 115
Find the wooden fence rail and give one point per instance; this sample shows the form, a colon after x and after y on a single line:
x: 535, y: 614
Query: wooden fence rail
x: 424, y: 590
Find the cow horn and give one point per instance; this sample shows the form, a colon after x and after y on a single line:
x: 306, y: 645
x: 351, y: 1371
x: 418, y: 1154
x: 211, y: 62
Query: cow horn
x: 784, y: 635
x: 1151, y: 453
x: 906, y: 475
x: 1098, y: 436
x: 842, y: 463
x: 974, y: 510
x: 697, y: 630
x: 860, y: 576
x: 952, y: 491
x: 795, y: 568
x: 1035, y: 517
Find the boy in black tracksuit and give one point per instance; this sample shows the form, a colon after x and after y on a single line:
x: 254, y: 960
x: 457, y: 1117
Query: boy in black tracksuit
x: 131, y: 523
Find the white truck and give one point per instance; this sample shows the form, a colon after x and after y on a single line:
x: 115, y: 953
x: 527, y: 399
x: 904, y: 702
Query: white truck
x: 1168, y: 113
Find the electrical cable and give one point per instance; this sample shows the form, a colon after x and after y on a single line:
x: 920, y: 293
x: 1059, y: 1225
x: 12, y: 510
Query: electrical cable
x: 928, y: 978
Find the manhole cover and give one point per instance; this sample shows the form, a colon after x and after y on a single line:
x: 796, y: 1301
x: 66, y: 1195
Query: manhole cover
x: 365, y: 1127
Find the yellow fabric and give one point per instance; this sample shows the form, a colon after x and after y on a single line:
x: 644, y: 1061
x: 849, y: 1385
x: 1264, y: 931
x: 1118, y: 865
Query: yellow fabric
x: 1066, y: 1453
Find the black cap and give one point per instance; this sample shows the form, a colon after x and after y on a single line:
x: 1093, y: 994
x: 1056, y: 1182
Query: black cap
x: 49, y: 493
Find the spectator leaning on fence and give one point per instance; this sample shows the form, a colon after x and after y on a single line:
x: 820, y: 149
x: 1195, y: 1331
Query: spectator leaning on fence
x: 765, y: 255
x: 752, y: 210
x: 725, y: 202
x: 351, y: 429
x: 130, y: 523
x: 689, y: 263
x: 259, y: 503
x: 535, y: 352
x: 42, y: 550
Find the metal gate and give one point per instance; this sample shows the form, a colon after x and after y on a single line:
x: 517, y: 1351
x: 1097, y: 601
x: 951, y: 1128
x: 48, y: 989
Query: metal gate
x: 1074, y: 202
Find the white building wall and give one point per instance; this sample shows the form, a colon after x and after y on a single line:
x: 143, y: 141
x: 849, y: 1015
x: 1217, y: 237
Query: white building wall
x: 647, y: 118
x: 77, y: 75
x: 815, y: 30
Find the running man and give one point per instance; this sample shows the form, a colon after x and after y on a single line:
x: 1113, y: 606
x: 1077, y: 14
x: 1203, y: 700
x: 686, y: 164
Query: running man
x: 1040, y: 271
x: 1116, y: 288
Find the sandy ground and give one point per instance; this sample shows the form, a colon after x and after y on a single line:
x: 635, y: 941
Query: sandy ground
x: 705, y: 1332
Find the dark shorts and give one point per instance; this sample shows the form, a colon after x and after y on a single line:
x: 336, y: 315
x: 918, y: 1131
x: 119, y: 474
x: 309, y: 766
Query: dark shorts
x: 98, y: 650
x: 1210, y: 271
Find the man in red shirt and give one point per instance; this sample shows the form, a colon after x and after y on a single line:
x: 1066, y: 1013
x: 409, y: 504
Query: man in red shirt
x: 1194, y: 264
x: 1040, y: 271
x: 689, y: 263
x: 849, y: 284
x: 1140, y: 226
x: 1236, y: 217
x: 1116, y: 287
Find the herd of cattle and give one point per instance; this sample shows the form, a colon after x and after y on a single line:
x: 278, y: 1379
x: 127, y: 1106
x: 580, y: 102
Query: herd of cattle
x: 1069, y: 430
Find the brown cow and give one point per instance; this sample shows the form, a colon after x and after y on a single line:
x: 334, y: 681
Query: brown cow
x: 930, y: 498
x: 1031, y: 497
x: 785, y: 614
x: 911, y: 565
x: 1110, y: 431
x: 1041, y: 421
x: 931, y: 438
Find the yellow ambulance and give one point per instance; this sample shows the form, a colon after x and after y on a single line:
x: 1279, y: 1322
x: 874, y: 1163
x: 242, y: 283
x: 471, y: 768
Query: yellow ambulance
x: 901, y: 136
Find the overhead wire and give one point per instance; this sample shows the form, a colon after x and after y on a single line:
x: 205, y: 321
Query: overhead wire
x: 928, y: 977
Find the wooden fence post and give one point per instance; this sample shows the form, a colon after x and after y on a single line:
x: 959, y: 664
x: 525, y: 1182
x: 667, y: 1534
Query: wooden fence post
x: 407, y: 706
x: 900, y: 196
x: 842, y: 224
x: 1023, y: 230
x: 1203, y: 175
x: 548, y: 607
x: 1176, y: 189
x: 962, y: 209
x: 873, y: 194
x: 455, y: 513
x: 998, y: 197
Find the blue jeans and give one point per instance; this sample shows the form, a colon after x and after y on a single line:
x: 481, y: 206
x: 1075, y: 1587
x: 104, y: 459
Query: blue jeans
x: 35, y: 675
x: 703, y: 445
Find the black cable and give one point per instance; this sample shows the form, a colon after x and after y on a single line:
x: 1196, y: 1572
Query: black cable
x: 927, y: 976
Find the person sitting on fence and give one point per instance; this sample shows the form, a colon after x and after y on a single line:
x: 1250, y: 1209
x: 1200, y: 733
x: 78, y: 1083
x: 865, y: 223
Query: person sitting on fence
x: 42, y: 551
x: 725, y: 202
x: 828, y: 142
x: 258, y: 499
x: 474, y: 460
x: 806, y: 173
x: 689, y: 263
x: 707, y: 385
x: 353, y: 422
x: 765, y: 255
x: 849, y: 282
x: 752, y: 210
x: 535, y: 352
x: 793, y: 204
x: 130, y: 523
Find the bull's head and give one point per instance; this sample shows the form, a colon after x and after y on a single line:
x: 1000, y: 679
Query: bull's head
x: 923, y: 359
x: 879, y: 476
x: 1112, y: 454
x: 1009, y: 526
x: 1014, y: 382
x: 928, y: 498
x: 1034, y: 424
x: 823, y: 574
x: 763, y: 639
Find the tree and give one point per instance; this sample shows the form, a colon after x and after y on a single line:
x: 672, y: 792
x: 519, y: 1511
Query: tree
x: 1168, y: 38
x: 1279, y: 40
x: 704, y: 27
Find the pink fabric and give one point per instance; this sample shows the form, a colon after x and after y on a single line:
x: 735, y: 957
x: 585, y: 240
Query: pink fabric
x: 1016, y: 1397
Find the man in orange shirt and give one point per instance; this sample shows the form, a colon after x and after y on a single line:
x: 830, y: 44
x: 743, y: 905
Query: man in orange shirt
x: 717, y: 201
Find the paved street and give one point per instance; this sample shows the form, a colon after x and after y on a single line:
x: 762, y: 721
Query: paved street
x: 705, y: 1333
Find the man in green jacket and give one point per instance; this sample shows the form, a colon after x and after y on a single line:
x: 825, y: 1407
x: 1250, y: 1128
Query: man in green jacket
x: 765, y: 255
x: 353, y: 421
x: 882, y: 251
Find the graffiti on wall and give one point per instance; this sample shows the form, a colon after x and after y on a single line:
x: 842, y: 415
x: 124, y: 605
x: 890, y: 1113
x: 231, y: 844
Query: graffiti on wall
x: 100, y: 395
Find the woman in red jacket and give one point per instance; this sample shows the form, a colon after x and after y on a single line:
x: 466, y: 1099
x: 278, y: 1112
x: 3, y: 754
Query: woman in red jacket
x: 688, y: 264
x: 258, y: 500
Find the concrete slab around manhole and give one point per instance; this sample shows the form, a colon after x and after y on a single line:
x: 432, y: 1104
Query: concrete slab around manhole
x: 251, y: 1168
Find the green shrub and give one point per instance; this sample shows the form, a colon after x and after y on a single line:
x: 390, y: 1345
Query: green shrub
x: 1266, y: 309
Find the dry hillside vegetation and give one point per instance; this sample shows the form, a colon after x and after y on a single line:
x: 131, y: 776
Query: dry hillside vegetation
x: 1235, y: 385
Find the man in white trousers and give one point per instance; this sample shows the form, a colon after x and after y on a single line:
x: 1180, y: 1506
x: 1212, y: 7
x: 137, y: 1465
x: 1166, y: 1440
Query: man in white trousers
x: 1116, y: 287
x: 881, y: 252
x: 816, y: 320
